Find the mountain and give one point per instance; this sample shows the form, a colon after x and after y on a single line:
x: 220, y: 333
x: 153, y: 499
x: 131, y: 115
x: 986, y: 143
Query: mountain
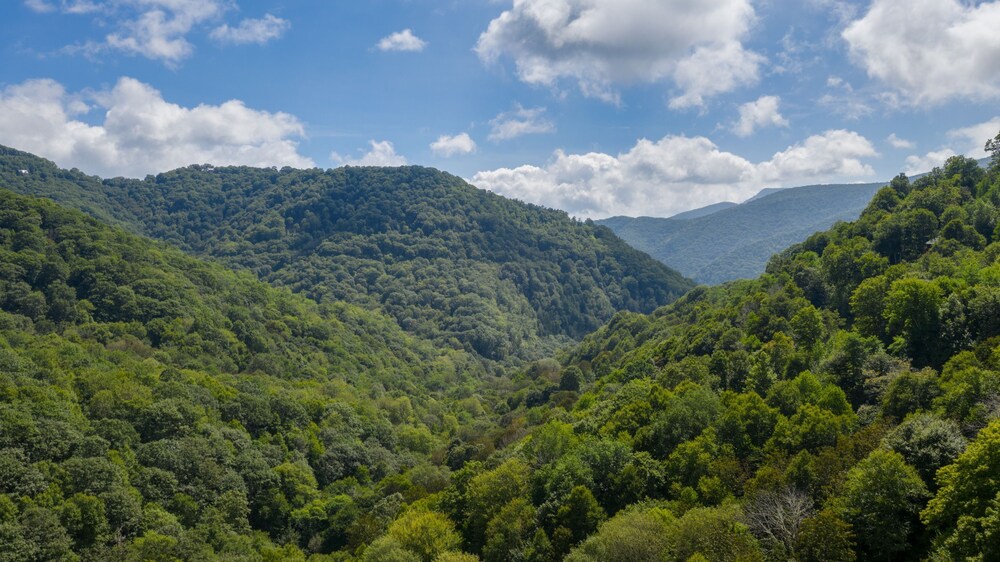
x: 736, y: 242
x: 842, y: 406
x: 451, y: 263
x: 849, y: 393
x: 157, y: 406
x: 703, y: 211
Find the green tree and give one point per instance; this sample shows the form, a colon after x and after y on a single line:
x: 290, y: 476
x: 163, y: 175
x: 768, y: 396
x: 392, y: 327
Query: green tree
x: 509, y: 533
x: 882, y: 499
x: 911, y: 312
x: 825, y: 537
x: 425, y: 533
x: 965, y: 512
x: 488, y: 493
x: 635, y: 535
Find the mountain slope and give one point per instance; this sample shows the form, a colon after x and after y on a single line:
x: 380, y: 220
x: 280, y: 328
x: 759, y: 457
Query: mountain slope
x: 156, y: 406
x: 449, y: 262
x: 703, y: 211
x: 736, y: 242
x: 842, y: 406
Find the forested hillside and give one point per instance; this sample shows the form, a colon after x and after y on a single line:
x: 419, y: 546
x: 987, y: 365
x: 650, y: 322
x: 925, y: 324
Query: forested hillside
x: 843, y: 406
x: 157, y: 407
x: 736, y: 242
x: 451, y: 263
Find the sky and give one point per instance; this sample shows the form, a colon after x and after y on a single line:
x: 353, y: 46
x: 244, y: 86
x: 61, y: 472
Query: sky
x: 596, y: 107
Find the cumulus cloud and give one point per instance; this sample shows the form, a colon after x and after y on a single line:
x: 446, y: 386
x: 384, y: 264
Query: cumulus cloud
x: 603, y: 43
x: 930, y: 51
x: 675, y: 174
x: 761, y: 113
x: 402, y: 41
x: 897, y: 142
x: 258, y: 31
x: 382, y: 153
x: 141, y: 133
x: 451, y: 145
x: 520, y: 121
x: 973, y: 138
x: 916, y: 164
x: 160, y: 29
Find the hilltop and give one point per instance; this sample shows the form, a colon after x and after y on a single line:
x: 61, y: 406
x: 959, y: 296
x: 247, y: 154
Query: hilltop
x: 451, y: 263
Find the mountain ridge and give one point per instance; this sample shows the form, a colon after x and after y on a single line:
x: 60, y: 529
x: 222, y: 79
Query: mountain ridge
x: 737, y: 241
x: 424, y: 246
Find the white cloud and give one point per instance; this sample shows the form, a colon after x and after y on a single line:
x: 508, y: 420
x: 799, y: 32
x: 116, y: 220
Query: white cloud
x: 843, y: 100
x: 520, y: 121
x: 675, y: 174
x: 930, y: 51
x: 834, y: 154
x: 402, y: 41
x: 66, y: 6
x: 451, y: 145
x: 920, y: 164
x: 160, y: 29
x: 141, y: 133
x: 714, y: 70
x: 897, y: 142
x: 974, y: 137
x: 257, y: 31
x: 761, y: 113
x: 603, y: 43
x: 40, y: 6
x: 382, y: 153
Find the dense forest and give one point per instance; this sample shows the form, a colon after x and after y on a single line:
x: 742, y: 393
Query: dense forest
x: 723, y: 243
x: 451, y: 263
x: 157, y: 407
x: 843, y: 406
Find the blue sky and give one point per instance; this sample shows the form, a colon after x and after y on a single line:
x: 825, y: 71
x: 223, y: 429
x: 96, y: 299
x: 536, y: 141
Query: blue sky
x: 598, y: 107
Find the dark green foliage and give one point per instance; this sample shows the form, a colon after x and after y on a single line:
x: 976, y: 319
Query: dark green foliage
x: 448, y: 262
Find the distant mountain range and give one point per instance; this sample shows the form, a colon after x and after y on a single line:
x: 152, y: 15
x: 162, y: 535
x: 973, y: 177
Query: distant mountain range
x: 726, y: 241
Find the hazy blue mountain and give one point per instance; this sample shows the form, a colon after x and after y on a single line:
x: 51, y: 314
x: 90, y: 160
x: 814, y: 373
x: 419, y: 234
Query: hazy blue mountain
x: 704, y: 211
x: 736, y: 241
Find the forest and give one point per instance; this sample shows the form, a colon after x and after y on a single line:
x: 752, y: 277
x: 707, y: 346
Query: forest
x: 453, y: 264
x: 157, y: 406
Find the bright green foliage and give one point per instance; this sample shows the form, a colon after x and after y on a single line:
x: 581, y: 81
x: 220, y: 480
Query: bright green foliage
x: 162, y: 404
x: 425, y: 533
x: 882, y: 499
x: 965, y: 513
x: 153, y: 406
x: 911, y: 312
x: 456, y: 557
x: 488, y: 494
x: 388, y: 549
x: 510, y: 532
x: 636, y: 535
x: 715, y: 533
